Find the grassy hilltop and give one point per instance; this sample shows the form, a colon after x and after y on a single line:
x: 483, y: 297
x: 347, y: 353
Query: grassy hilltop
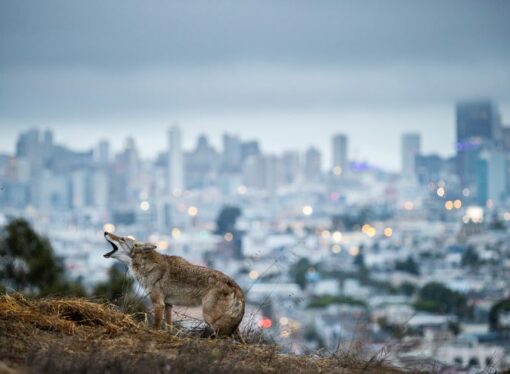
x: 56, y: 335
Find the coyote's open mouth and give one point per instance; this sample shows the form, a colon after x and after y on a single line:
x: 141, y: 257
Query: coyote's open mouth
x: 114, y: 246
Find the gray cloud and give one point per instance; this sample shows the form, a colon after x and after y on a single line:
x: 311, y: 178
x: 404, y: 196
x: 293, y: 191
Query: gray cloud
x: 74, y: 93
x: 131, y: 33
x: 365, y: 64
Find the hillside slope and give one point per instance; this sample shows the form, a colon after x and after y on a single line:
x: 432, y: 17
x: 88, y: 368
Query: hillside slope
x: 77, y: 335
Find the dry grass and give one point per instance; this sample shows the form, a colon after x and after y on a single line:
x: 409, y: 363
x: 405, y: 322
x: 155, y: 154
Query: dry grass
x: 80, y: 336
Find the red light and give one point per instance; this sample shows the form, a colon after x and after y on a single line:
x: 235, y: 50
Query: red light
x: 265, y: 323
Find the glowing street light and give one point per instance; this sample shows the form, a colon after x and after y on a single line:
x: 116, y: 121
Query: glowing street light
x: 388, y: 232
x: 265, y: 323
x: 307, y: 210
x: 325, y: 234
x: 192, y: 211
x: 144, y: 205
x: 337, y: 236
x: 109, y: 227
x: 440, y: 192
x: 163, y: 244
x: 474, y: 214
x: 176, y: 233
x: 354, y: 251
x: 408, y: 205
x: 369, y: 230
x: 336, y: 249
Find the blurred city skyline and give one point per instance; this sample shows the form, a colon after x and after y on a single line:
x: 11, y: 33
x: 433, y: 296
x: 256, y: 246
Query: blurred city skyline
x: 379, y: 146
x: 289, y: 75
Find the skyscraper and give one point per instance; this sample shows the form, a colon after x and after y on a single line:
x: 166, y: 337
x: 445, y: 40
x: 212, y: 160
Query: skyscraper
x: 411, y: 147
x: 249, y: 148
x: 339, y: 154
x: 313, y: 164
x: 102, y: 152
x: 262, y: 172
x: 231, y: 153
x: 29, y: 147
x: 290, y: 165
x: 175, y: 165
x: 478, y: 123
x: 491, y: 176
x: 201, y: 164
x: 477, y: 119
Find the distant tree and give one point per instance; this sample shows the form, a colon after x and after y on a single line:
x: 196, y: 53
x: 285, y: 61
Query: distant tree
x: 28, y: 263
x: 311, y: 334
x: 502, y: 306
x: 359, y: 260
x: 454, y: 327
x: 227, y: 219
x: 326, y: 300
x: 408, y: 266
x: 436, y: 298
x: 298, y: 271
x: 407, y: 288
x: 497, y: 225
x: 470, y: 257
x: 226, y: 223
x: 394, y: 329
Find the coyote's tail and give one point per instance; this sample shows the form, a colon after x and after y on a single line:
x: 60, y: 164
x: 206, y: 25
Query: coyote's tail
x: 233, y: 314
x: 237, y: 306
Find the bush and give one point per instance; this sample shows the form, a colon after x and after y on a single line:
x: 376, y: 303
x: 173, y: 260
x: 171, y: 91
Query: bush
x: 407, y: 289
x: 470, y: 257
x: 29, y: 264
x: 118, y: 290
x: 326, y: 300
x: 499, y: 307
x: 436, y: 298
x: 409, y: 266
x: 298, y: 271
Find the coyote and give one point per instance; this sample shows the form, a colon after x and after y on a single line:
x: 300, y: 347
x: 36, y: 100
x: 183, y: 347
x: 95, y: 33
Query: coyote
x: 171, y: 280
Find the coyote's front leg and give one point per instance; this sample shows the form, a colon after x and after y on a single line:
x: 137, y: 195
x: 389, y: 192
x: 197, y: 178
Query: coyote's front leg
x: 158, y: 303
x: 168, y: 316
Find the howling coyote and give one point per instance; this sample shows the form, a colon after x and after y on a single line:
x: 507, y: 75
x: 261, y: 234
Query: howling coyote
x: 171, y: 280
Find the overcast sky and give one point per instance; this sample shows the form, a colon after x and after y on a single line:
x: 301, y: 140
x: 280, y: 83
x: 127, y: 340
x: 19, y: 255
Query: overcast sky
x: 289, y: 73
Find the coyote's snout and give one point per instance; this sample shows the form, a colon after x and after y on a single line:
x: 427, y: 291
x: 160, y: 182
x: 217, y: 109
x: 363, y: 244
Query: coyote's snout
x: 171, y: 280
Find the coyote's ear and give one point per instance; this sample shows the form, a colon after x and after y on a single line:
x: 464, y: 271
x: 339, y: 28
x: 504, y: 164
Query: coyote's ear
x: 146, y: 247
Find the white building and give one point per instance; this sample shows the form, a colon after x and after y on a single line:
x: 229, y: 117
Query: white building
x: 313, y: 164
x: 411, y: 147
x: 470, y: 353
x: 79, y: 189
x: 100, y: 185
x: 339, y: 154
x: 175, y: 167
x: 494, y: 185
